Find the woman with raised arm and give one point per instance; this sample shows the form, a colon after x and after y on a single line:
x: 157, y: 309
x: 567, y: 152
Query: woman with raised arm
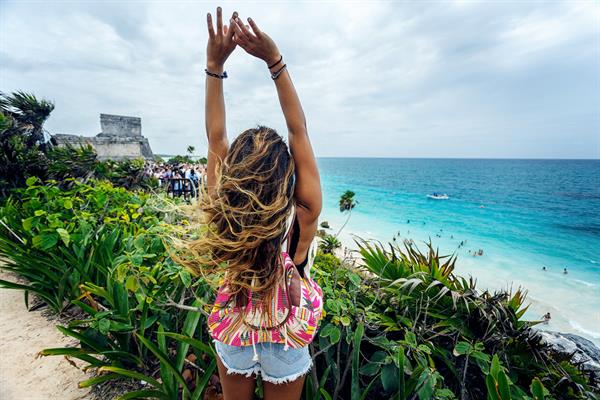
x: 261, y: 213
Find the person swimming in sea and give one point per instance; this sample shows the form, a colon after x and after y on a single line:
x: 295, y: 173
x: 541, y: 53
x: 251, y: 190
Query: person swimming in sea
x: 565, y: 271
x: 544, y: 269
x: 546, y: 317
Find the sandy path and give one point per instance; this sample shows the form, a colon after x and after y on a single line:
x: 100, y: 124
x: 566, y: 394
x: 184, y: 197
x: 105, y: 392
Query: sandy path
x: 22, y: 335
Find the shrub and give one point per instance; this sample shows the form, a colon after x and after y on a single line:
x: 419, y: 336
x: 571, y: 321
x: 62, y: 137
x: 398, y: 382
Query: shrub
x: 100, y: 249
x: 404, y: 326
x: 130, y: 174
x: 60, y: 239
x: 22, y: 142
x: 329, y: 243
x: 401, y: 325
x: 176, y: 160
x: 67, y: 162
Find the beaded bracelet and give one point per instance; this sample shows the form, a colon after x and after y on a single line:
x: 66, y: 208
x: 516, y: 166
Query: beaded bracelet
x: 276, y: 74
x: 218, y: 76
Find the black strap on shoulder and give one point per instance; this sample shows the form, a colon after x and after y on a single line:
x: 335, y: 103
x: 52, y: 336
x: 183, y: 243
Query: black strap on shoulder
x: 295, y: 237
x: 293, y: 245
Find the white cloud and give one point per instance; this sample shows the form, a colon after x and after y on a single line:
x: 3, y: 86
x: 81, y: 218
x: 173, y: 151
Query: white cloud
x: 453, y: 79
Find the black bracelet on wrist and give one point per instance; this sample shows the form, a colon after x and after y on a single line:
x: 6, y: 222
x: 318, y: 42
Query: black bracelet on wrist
x: 276, y: 74
x: 215, y: 75
x: 280, y: 59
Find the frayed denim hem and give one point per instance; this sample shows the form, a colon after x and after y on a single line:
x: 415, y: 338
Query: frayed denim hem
x: 286, y: 379
x: 248, y: 372
x: 257, y: 369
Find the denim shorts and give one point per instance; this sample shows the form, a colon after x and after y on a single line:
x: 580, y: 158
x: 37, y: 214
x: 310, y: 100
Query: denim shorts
x: 274, y: 364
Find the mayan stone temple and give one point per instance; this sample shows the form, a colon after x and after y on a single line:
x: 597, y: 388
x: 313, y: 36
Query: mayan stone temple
x: 121, y: 138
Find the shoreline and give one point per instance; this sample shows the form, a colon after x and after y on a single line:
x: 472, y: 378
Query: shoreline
x: 492, y: 277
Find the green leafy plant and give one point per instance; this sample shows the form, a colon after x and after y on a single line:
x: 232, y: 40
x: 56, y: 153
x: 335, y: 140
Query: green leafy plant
x: 398, y: 323
x: 72, y: 162
x: 329, y: 244
x: 22, y: 142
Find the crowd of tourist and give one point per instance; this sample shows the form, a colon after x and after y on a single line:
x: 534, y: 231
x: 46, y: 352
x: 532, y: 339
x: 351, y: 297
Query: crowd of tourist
x: 178, y: 179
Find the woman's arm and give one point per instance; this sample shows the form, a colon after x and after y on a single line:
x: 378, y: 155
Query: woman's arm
x: 220, y: 45
x: 308, y: 186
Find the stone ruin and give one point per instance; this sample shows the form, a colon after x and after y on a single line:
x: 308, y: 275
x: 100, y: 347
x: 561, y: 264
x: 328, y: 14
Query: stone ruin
x: 121, y: 138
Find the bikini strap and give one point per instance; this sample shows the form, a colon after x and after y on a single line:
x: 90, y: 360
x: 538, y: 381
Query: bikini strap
x: 285, y: 244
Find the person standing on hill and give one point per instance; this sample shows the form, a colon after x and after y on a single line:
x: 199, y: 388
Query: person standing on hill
x: 262, y: 205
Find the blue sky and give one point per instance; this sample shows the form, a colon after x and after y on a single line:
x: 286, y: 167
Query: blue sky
x: 380, y: 79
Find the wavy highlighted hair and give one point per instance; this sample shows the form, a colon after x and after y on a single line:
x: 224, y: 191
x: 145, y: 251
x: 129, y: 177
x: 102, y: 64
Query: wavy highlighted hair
x: 245, y: 216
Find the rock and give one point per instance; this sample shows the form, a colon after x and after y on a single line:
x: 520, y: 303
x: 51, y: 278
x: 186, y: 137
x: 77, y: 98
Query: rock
x: 584, y: 351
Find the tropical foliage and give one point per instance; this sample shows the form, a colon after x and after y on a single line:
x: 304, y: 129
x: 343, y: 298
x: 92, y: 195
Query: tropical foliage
x: 329, y: 244
x: 187, y: 159
x: 130, y: 174
x: 347, y: 204
x: 400, y: 325
x: 176, y: 160
x: 25, y: 152
x: 72, y: 162
x: 404, y: 326
x: 22, y: 142
x: 99, y: 250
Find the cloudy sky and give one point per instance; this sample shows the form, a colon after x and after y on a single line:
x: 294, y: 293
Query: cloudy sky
x: 380, y: 79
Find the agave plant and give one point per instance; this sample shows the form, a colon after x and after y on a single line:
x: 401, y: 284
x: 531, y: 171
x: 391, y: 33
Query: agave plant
x: 448, y: 327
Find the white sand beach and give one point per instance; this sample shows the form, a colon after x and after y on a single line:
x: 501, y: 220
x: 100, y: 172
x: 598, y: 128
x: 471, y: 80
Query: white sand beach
x: 23, y: 375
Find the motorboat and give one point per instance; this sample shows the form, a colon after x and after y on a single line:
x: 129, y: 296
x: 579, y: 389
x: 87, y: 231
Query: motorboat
x: 438, y: 196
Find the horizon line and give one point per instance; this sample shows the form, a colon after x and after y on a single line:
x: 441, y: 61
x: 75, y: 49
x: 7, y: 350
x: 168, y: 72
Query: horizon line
x: 434, y: 158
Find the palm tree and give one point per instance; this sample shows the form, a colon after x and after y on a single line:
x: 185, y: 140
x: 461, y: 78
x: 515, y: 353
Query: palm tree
x: 28, y: 115
x: 347, y: 203
x: 190, y: 150
x: 22, y: 143
x: 329, y: 243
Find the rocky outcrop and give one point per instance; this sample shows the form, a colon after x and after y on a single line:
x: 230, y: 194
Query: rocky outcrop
x: 584, y: 351
x: 121, y: 138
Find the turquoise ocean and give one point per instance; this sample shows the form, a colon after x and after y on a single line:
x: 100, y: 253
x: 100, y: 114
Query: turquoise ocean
x: 523, y: 214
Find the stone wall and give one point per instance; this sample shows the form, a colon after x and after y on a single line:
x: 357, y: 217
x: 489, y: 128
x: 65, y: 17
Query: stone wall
x: 118, y: 151
x: 120, y: 125
x: 121, y: 138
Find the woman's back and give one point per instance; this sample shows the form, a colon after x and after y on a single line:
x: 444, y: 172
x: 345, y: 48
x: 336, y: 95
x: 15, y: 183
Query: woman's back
x: 265, y: 312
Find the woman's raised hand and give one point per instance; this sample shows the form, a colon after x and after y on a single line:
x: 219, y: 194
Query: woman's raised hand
x: 220, y: 42
x: 255, y: 42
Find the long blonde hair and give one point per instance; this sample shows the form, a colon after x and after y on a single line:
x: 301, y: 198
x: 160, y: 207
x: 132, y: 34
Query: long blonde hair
x: 245, y: 216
